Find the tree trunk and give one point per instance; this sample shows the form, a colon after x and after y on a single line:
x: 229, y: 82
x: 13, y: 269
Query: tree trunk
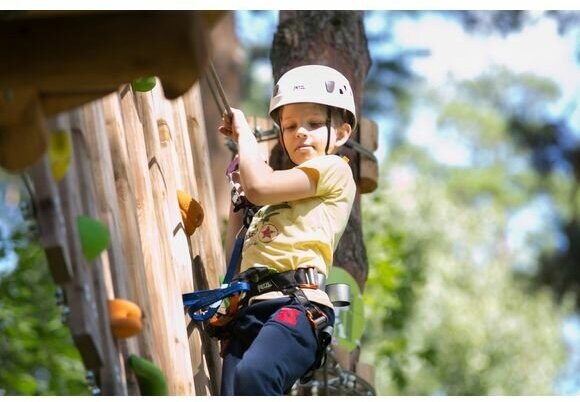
x: 335, y: 39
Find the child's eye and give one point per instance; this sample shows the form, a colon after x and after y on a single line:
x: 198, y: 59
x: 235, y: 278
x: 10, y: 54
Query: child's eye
x: 316, y: 124
x: 290, y: 127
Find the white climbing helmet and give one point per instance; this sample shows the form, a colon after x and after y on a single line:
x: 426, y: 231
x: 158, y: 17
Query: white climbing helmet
x: 313, y: 84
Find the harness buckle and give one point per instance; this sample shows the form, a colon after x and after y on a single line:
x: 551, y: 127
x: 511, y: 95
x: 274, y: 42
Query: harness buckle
x: 316, y: 322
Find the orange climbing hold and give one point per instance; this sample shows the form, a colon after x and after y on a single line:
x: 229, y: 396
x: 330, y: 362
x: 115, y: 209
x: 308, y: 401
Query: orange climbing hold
x: 125, y: 318
x: 191, y: 212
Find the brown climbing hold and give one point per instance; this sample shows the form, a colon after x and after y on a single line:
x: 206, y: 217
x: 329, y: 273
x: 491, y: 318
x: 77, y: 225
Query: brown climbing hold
x: 125, y: 318
x: 191, y: 212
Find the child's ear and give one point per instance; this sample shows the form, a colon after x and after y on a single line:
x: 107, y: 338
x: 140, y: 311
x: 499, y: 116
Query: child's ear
x: 343, y: 134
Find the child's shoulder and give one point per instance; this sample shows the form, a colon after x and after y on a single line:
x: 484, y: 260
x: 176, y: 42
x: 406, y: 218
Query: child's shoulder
x: 326, y: 160
x: 333, y: 171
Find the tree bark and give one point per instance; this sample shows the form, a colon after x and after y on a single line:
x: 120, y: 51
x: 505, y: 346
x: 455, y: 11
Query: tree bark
x: 335, y: 39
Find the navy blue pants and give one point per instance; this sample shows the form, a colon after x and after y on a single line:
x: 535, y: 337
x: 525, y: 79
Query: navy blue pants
x: 271, y: 347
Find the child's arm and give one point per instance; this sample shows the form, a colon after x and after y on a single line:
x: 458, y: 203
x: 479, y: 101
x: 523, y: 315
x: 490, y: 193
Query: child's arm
x: 262, y: 184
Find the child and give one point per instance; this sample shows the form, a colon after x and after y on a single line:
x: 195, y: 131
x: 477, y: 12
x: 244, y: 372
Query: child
x: 275, y: 338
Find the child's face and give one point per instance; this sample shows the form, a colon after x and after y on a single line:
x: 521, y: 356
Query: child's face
x: 304, y: 131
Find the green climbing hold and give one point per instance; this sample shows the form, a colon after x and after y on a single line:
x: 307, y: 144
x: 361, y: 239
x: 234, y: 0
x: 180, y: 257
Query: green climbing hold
x: 94, y: 236
x: 152, y: 381
x: 143, y: 84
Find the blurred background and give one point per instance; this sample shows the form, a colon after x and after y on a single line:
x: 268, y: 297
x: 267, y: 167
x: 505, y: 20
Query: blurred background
x: 472, y: 235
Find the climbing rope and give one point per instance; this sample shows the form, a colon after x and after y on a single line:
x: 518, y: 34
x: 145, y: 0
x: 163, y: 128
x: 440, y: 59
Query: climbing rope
x: 350, y: 143
x: 217, y: 91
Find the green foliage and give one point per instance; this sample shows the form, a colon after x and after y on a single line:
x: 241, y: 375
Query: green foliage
x: 446, y: 315
x: 36, y: 350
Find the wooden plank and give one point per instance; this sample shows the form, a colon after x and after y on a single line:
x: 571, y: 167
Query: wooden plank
x: 165, y: 298
x: 368, y: 169
x: 23, y: 131
x: 205, y: 359
x: 94, y: 131
x: 98, y: 270
x: 185, y: 174
x: 168, y: 161
x: 129, y: 231
x: 94, y: 53
x: 155, y: 348
x: 159, y: 131
x: 53, y: 236
x: 213, y: 256
x: 211, y: 263
x: 79, y: 292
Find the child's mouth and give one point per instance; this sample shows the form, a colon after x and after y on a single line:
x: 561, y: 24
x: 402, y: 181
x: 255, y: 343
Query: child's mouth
x: 303, y: 147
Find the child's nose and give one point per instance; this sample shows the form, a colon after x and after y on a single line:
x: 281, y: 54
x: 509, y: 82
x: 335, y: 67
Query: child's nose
x: 301, y: 132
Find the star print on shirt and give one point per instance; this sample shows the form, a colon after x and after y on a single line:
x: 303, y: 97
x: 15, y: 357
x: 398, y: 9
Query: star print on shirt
x: 267, y: 233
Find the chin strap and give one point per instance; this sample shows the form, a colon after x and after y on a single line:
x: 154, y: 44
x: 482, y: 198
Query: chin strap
x: 328, y: 122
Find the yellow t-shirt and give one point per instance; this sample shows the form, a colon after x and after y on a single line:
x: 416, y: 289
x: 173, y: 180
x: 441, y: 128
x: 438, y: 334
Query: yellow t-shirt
x: 303, y: 233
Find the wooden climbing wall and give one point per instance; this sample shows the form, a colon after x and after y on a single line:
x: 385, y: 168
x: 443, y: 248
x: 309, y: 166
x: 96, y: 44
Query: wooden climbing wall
x: 131, y: 154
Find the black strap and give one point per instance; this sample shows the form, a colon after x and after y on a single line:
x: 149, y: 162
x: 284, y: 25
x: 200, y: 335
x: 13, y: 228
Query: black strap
x: 328, y: 124
x: 263, y: 280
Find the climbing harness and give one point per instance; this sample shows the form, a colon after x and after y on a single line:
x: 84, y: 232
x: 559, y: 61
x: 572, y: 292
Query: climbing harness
x: 291, y: 283
x: 203, y: 304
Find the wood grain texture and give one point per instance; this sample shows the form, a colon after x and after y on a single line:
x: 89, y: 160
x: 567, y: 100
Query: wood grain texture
x: 368, y: 168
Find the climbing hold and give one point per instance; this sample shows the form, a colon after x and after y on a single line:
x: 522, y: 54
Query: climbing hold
x: 94, y: 236
x: 143, y: 84
x: 152, y: 381
x: 191, y: 212
x: 59, y: 153
x: 125, y: 318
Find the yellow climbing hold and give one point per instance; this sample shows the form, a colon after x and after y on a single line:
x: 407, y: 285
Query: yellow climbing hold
x: 191, y: 212
x: 59, y: 153
x: 125, y: 318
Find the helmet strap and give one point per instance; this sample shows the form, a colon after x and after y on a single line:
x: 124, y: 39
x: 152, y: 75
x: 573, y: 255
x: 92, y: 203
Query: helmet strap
x: 328, y: 121
x: 283, y: 144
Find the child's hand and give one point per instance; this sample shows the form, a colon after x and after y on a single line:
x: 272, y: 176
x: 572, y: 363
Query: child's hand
x: 234, y: 125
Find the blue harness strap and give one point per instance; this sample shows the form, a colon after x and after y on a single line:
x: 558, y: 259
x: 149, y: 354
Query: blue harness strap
x: 203, y: 304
